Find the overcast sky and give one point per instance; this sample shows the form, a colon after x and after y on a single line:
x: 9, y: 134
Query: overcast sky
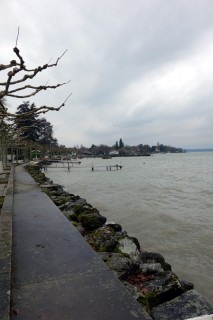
x: 140, y: 70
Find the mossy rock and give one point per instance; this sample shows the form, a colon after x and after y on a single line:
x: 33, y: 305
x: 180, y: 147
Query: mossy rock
x: 136, y: 242
x: 118, y: 250
x: 127, y: 245
x: 166, y: 287
x: 121, y: 265
x: 79, y: 209
x: 91, y: 221
x: 61, y: 200
x: 48, y: 192
x: 115, y: 226
x: 35, y: 172
x: 4, y: 181
x: 86, y: 209
x: 72, y: 217
x: 148, y: 300
x: 102, y: 239
x: 153, y: 257
x: 79, y: 227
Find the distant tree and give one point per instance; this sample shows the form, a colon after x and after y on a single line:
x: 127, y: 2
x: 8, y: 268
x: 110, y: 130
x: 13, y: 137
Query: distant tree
x: 116, y: 145
x: 153, y: 149
x: 140, y: 148
x: 36, y: 132
x: 103, y: 149
x: 94, y: 149
x: 121, y: 144
x: 162, y: 148
x: 45, y: 132
x: 27, y: 122
x: 146, y: 148
x: 93, y: 146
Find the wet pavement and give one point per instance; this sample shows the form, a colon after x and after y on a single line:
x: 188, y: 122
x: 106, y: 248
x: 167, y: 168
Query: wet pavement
x: 56, y: 274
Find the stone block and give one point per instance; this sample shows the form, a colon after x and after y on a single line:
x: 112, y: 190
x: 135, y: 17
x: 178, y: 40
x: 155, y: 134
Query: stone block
x: 188, y: 305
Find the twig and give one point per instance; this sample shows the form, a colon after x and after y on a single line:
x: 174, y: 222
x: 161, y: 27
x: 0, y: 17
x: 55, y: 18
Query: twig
x: 17, y: 37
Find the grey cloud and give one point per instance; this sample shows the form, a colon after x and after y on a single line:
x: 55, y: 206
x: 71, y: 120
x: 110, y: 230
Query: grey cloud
x: 118, y: 55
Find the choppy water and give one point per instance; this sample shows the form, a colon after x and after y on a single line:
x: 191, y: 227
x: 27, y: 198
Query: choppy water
x: 165, y: 200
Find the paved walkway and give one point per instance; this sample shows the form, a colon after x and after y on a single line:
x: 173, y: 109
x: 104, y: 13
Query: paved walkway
x: 57, y: 274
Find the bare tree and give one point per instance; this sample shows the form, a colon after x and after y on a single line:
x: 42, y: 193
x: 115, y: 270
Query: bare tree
x: 16, y: 88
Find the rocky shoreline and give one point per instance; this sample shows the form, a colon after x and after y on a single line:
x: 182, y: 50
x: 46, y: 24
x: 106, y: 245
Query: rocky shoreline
x: 147, y: 275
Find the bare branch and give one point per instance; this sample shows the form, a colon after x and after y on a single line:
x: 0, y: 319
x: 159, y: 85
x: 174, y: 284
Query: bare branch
x: 49, y: 61
x: 16, y: 66
x: 17, y: 37
x: 23, y: 68
x: 45, y: 109
x: 7, y: 66
x: 16, y: 50
x: 55, y: 64
x: 39, y: 110
x: 37, y: 89
x: 66, y: 99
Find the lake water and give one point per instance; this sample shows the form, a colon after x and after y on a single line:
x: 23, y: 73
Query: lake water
x: 165, y: 201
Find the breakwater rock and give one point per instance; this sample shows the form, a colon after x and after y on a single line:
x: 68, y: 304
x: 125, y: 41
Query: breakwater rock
x: 147, y: 275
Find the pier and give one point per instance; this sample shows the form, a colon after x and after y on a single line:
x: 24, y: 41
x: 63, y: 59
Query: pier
x: 107, y: 167
x: 60, y: 164
x: 77, y: 164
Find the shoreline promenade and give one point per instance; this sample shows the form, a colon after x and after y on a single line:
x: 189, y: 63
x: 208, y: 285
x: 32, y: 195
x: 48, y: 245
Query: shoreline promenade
x: 55, y: 273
